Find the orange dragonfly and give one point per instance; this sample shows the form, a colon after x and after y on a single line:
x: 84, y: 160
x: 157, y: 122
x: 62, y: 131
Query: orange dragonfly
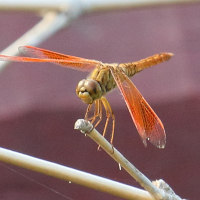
x: 104, y: 78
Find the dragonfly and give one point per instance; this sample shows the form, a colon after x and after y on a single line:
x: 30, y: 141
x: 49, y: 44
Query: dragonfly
x: 103, y: 78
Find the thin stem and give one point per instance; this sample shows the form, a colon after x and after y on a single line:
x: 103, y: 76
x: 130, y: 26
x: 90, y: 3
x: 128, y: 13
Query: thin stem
x: 73, y: 175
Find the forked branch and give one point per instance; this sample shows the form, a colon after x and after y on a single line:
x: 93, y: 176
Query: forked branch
x: 159, y: 190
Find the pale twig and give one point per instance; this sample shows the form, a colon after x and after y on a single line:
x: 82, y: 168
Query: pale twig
x: 88, y: 5
x: 158, y: 193
x: 73, y: 175
x: 50, y: 23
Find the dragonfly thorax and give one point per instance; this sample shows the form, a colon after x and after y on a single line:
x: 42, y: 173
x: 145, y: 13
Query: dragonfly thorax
x: 88, y: 90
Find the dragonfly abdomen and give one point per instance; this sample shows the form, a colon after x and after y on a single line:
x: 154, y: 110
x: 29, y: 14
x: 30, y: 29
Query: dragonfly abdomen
x: 132, y: 68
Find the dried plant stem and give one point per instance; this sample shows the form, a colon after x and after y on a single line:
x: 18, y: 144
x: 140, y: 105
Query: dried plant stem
x: 73, y: 175
x: 153, y: 190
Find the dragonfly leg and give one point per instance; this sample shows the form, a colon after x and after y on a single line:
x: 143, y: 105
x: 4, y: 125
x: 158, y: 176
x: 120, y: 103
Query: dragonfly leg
x: 97, y: 112
x: 109, y: 113
x: 87, y: 111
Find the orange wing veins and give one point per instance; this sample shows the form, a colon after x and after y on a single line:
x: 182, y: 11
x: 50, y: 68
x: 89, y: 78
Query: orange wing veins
x: 146, y: 121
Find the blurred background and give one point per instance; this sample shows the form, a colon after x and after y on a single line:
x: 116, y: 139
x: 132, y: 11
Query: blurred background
x: 39, y: 106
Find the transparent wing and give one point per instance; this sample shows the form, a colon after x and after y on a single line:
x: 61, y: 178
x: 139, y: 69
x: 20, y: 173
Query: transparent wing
x: 42, y: 55
x: 148, y: 124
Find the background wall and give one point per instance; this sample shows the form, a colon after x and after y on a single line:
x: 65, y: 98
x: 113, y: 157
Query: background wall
x: 38, y: 104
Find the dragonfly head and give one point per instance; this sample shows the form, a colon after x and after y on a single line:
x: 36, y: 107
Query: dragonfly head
x: 88, y: 90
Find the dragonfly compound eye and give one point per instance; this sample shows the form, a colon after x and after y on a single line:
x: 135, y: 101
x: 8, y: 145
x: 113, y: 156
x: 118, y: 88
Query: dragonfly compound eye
x: 88, y: 90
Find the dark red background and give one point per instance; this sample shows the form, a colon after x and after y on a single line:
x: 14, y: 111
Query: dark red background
x: 38, y: 104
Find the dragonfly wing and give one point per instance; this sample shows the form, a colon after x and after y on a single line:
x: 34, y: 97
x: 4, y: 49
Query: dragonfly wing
x: 67, y: 60
x: 147, y: 122
x: 42, y: 55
